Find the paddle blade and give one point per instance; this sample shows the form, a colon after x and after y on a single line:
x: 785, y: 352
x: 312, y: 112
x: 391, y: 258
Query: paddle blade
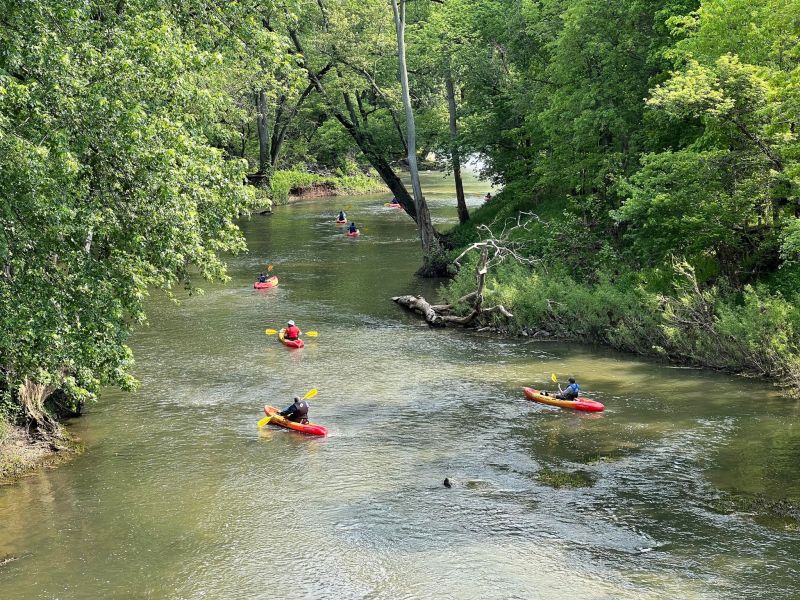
x: 269, y: 268
x: 264, y: 421
x: 312, y: 333
x: 365, y: 230
x: 311, y: 393
x: 553, y: 378
x: 270, y: 331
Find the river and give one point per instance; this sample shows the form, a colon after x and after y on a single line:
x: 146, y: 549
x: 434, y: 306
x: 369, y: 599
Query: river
x: 178, y: 494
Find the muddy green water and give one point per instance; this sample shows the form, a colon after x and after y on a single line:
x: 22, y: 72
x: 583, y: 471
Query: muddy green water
x: 179, y: 496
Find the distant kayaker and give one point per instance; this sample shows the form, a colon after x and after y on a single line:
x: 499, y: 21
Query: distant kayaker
x: 342, y: 216
x: 292, y: 331
x: 352, y: 228
x: 487, y: 197
x: 570, y: 392
x: 262, y: 278
x: 297, y: 411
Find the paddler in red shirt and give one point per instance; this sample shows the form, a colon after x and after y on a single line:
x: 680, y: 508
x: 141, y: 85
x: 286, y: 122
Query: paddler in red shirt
x: 292, y: 331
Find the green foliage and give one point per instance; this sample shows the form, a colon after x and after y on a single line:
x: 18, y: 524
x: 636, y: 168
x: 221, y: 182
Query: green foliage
x: 109, y: 185
x: 283, y: 183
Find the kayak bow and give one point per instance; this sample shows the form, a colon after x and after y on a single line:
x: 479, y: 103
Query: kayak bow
x: 583, y: 404
x: 308, y: 428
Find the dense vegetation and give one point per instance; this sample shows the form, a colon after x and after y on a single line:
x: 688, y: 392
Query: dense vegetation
x: 656, y: 142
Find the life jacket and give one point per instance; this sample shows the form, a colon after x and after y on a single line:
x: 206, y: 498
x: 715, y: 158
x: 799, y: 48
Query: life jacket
x: 300, y: 414
x: 572, y: 390
x: 292, y: 332
x: 353, y: 228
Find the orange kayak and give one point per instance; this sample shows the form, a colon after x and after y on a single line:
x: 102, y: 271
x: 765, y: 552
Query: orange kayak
x: 309, y: 428
x: 580, y: 404
x: 298, y: 343
x: 271, y: 282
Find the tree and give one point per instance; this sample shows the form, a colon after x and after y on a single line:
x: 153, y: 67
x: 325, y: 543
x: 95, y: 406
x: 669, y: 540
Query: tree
x: 110, y: 183
x: 426, y: 231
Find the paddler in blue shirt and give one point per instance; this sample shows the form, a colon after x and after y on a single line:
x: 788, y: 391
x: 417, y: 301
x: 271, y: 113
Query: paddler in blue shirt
x: 570, y: 392
x: 297, y: 411
x: 262, y: 278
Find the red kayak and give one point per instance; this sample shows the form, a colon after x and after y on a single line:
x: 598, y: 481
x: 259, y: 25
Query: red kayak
x: 580, y: 404
x: 393, y: 205
x: 271, y: 282
x: 355, y: 233
x: 298, y: 343
x: 338, y: 222
x: 309, y: 428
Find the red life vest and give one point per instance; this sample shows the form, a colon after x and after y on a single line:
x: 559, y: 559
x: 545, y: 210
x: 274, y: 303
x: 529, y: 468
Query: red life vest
x: 292, y: 332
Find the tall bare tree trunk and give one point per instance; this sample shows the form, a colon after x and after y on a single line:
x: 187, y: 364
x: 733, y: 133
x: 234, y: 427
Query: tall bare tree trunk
x: 264, y: 162
x: 455, y: 153
x: 427, y: 234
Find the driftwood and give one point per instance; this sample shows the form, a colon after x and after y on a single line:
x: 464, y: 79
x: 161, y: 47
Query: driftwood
x: 438, y: 315
x: 493, y: 250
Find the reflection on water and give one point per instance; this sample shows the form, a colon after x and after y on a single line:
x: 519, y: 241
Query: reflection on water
x: 180, y: 496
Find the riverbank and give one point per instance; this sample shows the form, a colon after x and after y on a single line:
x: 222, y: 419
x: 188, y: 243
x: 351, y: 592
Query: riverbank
x: 292, y: 185
x: 21, y: 455
x: 581, y: 288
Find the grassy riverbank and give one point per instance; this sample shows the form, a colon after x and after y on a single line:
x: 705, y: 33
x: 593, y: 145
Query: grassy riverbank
x: 288, y: 183
x: 584, y: 288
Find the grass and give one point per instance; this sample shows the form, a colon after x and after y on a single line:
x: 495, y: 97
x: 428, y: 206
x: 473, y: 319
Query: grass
x: 283, y: 182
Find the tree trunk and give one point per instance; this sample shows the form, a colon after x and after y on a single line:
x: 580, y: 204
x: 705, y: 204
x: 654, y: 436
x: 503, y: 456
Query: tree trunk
x: 263, y: 134
x: 426, y: 232
x: 455, y: 153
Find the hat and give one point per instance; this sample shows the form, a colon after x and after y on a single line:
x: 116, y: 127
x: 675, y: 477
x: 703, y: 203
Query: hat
x: 297, y: 398
x: 290, y: 323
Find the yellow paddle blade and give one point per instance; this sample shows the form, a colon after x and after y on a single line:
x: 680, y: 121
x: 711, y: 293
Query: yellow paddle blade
x: 270, y: 331
x: 554, y: 378
x: 312, y: 333
x: 365, y: 230
x: 264, y: 421
x: 311, y: 393
x: 269, y: 268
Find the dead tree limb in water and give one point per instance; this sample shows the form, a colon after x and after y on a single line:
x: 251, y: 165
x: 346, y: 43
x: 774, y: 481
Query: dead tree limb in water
x: 495, y: 249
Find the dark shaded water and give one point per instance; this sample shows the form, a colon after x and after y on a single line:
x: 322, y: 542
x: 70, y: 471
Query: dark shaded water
x: 180, y: 496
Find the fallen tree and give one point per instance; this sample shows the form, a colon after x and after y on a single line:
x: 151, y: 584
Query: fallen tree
x: 494, y: 249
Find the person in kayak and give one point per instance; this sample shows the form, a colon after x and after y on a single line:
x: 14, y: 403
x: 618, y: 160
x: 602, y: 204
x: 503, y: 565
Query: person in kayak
x: 262, y: 278
x: 570, y: 392
x: 292, y: 331
x: 342, y: 216
x: 297, y: 411
x: 352, y: 228
x: 487, y: 197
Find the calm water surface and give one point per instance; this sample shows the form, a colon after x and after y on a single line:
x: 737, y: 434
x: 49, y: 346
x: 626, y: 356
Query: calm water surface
x: 180, y: 496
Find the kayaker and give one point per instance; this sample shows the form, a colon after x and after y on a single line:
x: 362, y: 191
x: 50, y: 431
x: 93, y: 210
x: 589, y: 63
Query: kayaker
x: 352, y: 228
x: 342, y: 216
x: 262, y: 278
x: 297, y: 411
x: 570, y: 392
x: 487, y: 197
x: 292, y: 331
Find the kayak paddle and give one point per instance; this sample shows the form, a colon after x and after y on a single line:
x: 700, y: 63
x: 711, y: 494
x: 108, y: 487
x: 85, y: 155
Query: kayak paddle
x: 310, y: 394
x: 308, y: 333
x: 553, y: 378
x: 269, y: 268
